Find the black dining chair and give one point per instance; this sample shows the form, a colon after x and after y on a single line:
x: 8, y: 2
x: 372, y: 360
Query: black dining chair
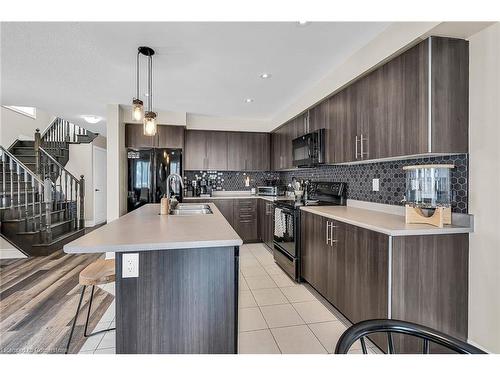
x: 428, y: 335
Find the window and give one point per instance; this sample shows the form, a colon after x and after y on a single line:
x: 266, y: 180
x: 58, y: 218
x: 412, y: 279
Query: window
x: 27, y: 111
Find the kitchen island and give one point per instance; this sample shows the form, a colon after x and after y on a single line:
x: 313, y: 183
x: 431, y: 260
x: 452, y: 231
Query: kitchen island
x: 185, y: 296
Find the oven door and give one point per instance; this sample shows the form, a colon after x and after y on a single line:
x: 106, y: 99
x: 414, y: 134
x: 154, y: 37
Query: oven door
x: 285, y: 230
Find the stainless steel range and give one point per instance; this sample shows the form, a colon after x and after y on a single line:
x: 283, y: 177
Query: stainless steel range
x: 287, y: 223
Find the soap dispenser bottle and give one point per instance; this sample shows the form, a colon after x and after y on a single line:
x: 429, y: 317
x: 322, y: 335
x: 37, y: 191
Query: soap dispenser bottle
x: 164, y: 205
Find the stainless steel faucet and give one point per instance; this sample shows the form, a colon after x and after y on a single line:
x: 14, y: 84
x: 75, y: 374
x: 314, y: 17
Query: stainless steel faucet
x: 173, y: 176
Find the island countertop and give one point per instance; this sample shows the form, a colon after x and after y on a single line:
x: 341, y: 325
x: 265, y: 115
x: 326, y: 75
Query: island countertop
x: 392, y: 225
x: 144, y: 229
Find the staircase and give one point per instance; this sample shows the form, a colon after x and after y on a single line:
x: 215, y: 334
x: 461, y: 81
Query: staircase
x: 42, y: 203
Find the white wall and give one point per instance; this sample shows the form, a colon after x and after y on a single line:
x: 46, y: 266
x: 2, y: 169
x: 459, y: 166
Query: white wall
x: 81, y: 162
x: 195, y: 121
x: 484, y: 188
x: 116, y: 162
x: 14, y: 125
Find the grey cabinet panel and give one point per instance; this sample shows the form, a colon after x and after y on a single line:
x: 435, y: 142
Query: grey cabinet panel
x: 430, y: 285
x: 195, y: 155
x: 248, y: 151
x: 450, y: 95
x: 170, y: 136
x: 265, y: 222
x: 216, y: 150
x: 245, y: 219
x: 135, y: 138
x: 167, y: 136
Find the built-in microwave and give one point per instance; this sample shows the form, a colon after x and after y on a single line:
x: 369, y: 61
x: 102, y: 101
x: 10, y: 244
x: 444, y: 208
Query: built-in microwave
x: 308, y: 150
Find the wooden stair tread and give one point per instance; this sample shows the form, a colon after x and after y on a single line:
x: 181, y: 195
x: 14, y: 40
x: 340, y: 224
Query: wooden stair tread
x: 60, y: 238
x: 54, y: 225
x: 101, y: 271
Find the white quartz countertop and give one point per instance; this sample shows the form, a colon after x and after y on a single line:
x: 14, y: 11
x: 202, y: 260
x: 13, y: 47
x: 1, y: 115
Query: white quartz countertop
x: 392, y: 225
x: 143, y: 229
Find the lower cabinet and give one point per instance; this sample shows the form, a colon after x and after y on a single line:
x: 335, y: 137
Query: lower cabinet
x: 245, y: 219
x: 350, y: 267
x: 265, y: 220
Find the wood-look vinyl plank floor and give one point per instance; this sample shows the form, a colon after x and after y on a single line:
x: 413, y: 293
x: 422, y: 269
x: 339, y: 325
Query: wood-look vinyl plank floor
x: 38, y: 300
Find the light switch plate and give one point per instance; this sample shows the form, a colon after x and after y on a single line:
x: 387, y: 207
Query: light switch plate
x: 375, y: 184
x: 130, y: 265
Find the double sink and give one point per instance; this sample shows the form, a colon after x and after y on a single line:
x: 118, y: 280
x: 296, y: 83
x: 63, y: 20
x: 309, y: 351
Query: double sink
x: 187, y: 209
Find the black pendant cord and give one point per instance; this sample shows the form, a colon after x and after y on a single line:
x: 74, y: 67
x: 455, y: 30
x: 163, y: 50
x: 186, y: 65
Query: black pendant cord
x: 137, y: 75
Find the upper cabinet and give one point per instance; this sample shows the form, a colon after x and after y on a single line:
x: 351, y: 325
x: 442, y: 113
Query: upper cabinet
x: 205, y: 150
x: 415, y: 104
x: 167, y: 136
x: 233, y: 151
x: 281, y: 141
x: 248, y: 151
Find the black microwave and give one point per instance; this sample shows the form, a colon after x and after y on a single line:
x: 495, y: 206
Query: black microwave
x: 308, y: 150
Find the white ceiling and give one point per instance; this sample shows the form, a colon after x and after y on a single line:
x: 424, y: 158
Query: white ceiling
x: 73, y: 69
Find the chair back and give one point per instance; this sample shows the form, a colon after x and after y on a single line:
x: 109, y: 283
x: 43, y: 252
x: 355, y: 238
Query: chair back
x: 362, y: 329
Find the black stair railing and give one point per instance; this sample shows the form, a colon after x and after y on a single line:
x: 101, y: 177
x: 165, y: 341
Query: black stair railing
x: 67, y: 192
x: 18, y: 181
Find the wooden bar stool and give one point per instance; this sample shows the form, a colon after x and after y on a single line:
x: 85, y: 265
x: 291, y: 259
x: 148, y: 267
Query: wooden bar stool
x: 102, y: 271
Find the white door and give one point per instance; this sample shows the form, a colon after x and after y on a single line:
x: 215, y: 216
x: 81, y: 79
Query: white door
x: 99, y: 185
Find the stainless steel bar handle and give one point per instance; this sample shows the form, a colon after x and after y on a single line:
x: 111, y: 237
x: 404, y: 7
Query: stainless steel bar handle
x: 332, y: 241
x: 356, y: 148
x: 328, y: 233
x: 362, y: 154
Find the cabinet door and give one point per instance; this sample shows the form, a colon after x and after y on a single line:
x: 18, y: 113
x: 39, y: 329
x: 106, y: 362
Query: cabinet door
x: 216, y: 150
x: 342, y: 128
x: 269, y: 225
x: 366, y: 274
x: 135, y: 138
x: 275, y: 151
x: 261, y: 219
x: 319, y: 118
x: 258, y: 151
x: 225, y: 206
x: 170, y: 136
x: 245, y: 219
x: 195, y: 157
x: 315, y: 251
x: 237, y: 150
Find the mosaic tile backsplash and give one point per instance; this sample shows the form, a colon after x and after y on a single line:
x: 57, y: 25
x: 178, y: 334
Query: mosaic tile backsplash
x: 359, y: 179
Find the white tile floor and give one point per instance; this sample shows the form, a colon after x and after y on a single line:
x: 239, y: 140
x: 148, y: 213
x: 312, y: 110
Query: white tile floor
x: 276, y: 315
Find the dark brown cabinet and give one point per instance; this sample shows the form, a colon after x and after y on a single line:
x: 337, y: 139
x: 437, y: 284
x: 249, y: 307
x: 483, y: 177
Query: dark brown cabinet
x: 248, y: 151
x: 348, y: 265
x: 281, y: 140
x: 415, y: 104
x: 226, y: 207
x: 355, y: 269
x: 265, y: 222
x: 170, y: 136
x: 167, y: 136
x: 315, y: 250
x: 245, y: 219
x: 205, y: 150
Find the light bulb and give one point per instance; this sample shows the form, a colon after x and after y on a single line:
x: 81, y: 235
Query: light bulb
x: 137, y: 110
x: 150, y: 124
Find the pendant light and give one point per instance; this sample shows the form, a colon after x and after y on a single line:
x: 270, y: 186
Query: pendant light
x: 148, y: 117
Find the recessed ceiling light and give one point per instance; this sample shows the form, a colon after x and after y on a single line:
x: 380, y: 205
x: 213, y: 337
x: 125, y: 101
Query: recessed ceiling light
x: 91, y: 119
x: 303, y: 23
x: 248, y: 100
x: 265, y: 75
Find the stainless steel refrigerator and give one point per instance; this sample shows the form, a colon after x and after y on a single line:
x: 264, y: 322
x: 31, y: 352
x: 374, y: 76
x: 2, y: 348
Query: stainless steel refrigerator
x: 147, y: 175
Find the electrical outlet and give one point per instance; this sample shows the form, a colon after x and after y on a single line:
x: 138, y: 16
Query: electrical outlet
x: 130, y: 265
x: 375, y: 184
